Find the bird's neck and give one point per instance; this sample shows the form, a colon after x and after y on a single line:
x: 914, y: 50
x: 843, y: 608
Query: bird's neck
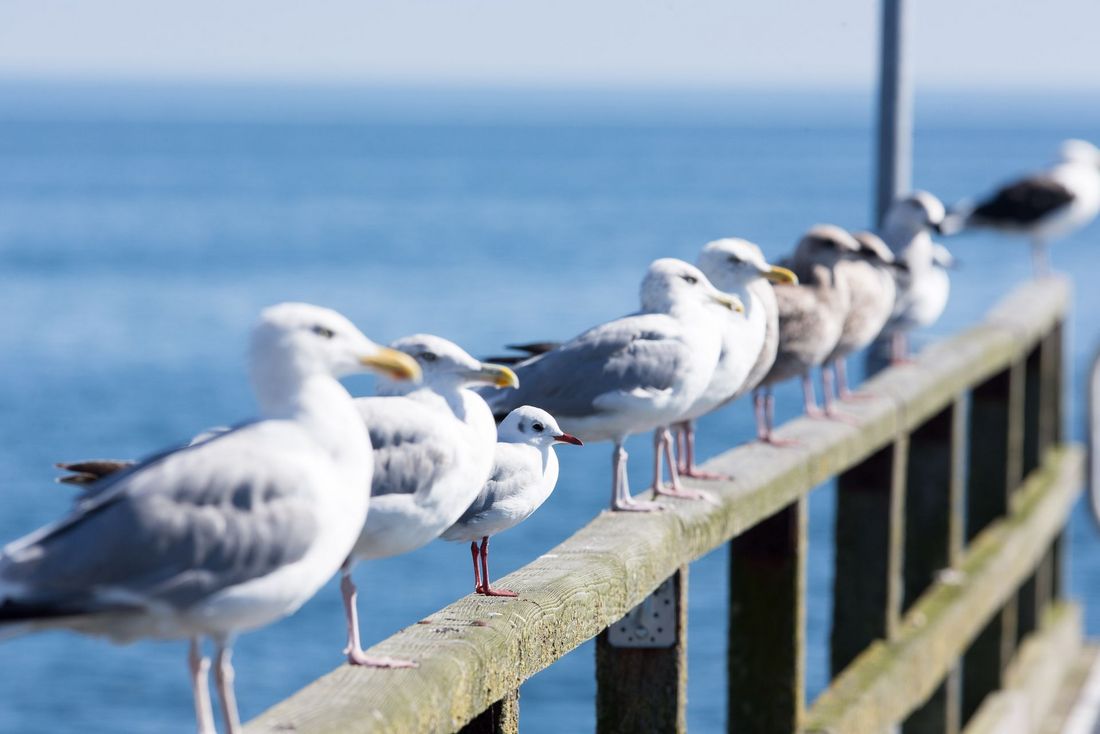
x: 321, y: 405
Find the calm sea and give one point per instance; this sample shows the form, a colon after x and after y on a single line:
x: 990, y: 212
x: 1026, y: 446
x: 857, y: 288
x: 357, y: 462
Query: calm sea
x: 141, y: 229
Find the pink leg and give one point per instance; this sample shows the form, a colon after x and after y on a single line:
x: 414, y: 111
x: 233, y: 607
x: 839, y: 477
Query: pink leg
x: 354, y: 649
x: 900, y: 349
x: 845, y: 392
x: 830, y: 398
x: 688, y: 467
x: 223, y: 677
x: 199, y: 665
x: 766, y: 422
x: 675, y: 489
x: 621, y: 501
x: 809, y: 400
x: 486, y: 589
x: 477, y: 573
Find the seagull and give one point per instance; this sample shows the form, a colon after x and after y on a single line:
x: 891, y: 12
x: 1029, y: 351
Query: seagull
x: 433, y: 448
x: 225, y: 536
x: 634, y: 374
x: 922, y: 288
x: 525, y: 470
x: 869, y: 275
x: 811, y: 315
x: 734, y: 266
x: 1043, y: 206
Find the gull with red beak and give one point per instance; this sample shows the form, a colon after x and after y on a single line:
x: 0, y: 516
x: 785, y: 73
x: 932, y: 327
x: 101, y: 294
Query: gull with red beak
x: 525, y: 471
x: 433, y: 451
x: 634, y: 374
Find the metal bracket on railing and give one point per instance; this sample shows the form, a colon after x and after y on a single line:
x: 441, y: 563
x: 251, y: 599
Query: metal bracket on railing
x: 650, y: 624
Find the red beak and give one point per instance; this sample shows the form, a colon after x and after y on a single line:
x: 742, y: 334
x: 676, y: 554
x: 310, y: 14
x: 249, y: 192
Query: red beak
x: 566, y: 438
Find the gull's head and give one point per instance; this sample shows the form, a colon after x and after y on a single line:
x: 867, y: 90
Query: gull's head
x: 299, y: 339
x: 732, y: 263
x: 918, y: 212
x: 445, y: 365
x: 825, y: 244
x: 872, y: 248
x: 670, y: 283
x: 534, y: 426
x: 1080, y: 151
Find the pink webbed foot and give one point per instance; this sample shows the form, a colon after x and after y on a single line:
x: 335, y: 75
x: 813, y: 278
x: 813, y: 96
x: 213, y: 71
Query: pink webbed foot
x: 490, y: 591
x: 840, y: 417
x: 780, y: 443
x: 707, y: 476
x: 358, y: 657
x: 682, y: 493
x: 856, y: 396
x: 632, y: 505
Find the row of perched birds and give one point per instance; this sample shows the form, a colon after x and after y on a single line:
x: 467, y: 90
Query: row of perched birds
x: 241, y: 526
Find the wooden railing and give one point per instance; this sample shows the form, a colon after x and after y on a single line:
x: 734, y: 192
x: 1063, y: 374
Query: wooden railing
x: 954, y: 489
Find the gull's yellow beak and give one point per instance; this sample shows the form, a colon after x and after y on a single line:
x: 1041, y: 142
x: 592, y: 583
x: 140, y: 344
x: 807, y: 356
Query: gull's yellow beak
x: 496, y: 375
x: 730, y: 301
x: 392, y: 363
x: 777, y: 274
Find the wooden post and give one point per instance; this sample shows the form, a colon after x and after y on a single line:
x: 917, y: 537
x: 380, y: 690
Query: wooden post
x: 1036, y: 384
x: 934, y: 499
x: 995, y: 447
x: 767, y: 625
x: 500, y: 718
x: 644, y: 689
x: 995, y: 469
x: 933, y: 540
x: 867, y: 587
x: 895, y: 109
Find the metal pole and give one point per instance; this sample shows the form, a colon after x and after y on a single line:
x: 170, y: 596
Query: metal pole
x: 895, y: 109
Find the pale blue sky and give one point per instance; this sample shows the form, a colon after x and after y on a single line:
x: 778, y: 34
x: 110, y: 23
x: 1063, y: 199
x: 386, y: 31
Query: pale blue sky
x: 788, y: 43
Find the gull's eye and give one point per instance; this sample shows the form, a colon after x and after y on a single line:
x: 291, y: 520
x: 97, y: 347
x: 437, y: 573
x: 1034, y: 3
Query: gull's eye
x: 538, y: 427
x: 429, y: 356
x: 323, y: 331
x: 735, y: 260
x: 690, y: 279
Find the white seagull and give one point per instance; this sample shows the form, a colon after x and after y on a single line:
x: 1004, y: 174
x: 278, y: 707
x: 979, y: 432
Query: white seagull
x: 1043, y: 206
x: 225, y: 536
x: 922, y: 287
x: 738, y: 267
x: 525, y: 471
x: 433, y: 448
x: 633, y: 374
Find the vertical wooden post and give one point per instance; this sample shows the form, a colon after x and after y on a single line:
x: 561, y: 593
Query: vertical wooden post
x: 867, y: 587
x: 934, y: 499
x: 500, y: 718
x: 996, y: 462
x: 895, y: 109
x: 995, y: 447
x: 1036, y: 440
x: 644, y: 689
x: 767, y: 625
x: 933, y: 540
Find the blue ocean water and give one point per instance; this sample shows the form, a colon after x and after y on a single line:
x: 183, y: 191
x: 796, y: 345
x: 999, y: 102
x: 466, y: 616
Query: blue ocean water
x: 142, y: 228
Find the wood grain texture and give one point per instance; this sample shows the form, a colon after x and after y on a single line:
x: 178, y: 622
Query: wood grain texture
x: 892, y: 679
x: 477, y: 650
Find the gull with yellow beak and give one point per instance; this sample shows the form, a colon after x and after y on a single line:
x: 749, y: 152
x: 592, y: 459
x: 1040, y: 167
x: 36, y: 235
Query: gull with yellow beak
x: 738, y: 267
x: 225, y: 535
x: 634, y: 374
x: 433, y: 446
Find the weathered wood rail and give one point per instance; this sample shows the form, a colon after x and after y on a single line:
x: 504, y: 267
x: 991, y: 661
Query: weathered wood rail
x: 953, y: 493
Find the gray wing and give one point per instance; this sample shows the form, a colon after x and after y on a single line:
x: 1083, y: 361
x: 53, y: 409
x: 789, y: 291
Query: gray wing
x: 171, y: 530
x: 512, y: 473
x: 643, y: 351
x: 414, y: 445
